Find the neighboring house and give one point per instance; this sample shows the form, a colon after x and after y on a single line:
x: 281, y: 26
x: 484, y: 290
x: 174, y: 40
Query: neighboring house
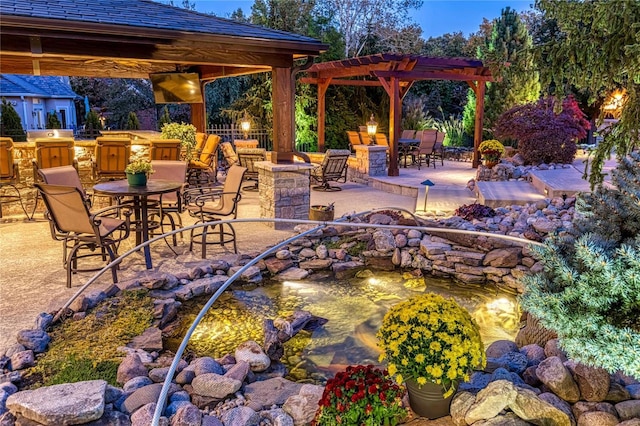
x: 34, y: 96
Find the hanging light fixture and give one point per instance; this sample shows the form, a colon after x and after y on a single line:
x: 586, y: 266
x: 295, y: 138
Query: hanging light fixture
x: 372, y: 128
x: 245, y: 125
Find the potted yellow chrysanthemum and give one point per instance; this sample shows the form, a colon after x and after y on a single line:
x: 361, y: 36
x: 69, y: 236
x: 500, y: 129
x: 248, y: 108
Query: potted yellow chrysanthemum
x: 430, y: 343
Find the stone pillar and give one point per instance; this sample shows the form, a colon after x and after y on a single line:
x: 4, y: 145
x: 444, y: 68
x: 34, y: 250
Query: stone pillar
x: 371, y: 160
x: 284, y: 191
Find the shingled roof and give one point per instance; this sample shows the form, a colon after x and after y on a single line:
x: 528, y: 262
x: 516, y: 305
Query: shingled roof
x: 36, y: 86
x: 142, y: 13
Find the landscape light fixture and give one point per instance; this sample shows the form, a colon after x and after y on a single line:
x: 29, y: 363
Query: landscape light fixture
x: 245, y: 125
x: 372, y: 128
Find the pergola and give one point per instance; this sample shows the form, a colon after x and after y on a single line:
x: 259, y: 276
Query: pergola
x: 134, y: 38
x: 396, y: 73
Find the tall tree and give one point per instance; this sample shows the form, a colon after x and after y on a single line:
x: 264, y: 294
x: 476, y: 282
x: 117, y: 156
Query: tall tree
x: 598, y: 48
x: 508, y: 51
x: 358, y: 20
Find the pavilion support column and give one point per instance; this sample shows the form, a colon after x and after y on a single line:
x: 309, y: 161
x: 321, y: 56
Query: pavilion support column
x: 198, y: 117
x: 479, y: 89
x: 395, y: 117
x: 323, y: 84
x: 283, y: 115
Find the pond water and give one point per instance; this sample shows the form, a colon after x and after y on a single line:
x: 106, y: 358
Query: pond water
x: 354, y: 309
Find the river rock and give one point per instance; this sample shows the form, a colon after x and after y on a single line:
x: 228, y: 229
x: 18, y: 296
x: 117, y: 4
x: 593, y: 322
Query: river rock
x: 597, y: 418
x: 238, y: 371
x: 502, y: 258
x: 244, y: 416
x: 512, y: 361
x: 251, y: 353
x: 145, y: 395
x: 384, y: 240
x: 628, y: 409
x: 215, y: 385
x: 617, y: 393
x: 130, y: 367
x: 292, y: 274
x: 35, y: 340
x: 593, y: 382
x: 501, y: 347
x: 65, y: 404
x: 557, y: 377
x: 534, y: 353
x: 205, y: 364
x: 551, y: 348
x: 271, y: 391
x: 460, y: 404
x: 22, y: 360
x: 528, y: 406
x: 559, y: 403
x: 490, y: 401
x: 187, y: 415
x: 136, y: 383
x: 277, y: 417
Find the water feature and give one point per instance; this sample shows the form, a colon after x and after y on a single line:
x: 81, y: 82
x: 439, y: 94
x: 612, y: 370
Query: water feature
x: 354, y: 308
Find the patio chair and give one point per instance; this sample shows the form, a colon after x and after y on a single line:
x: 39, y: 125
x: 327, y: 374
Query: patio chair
x: 166, y: 204
x: 364, y: 137
x: 381, y: 139
x: 10, y: 176
x: 66, y: 176
x: 53, y: 152
x: 247, y: 157
x: 229, y: 154
x: 210, y: 205
x: 425, y: 149
x: 332, y: 169
x: 111, y: 156
x: 354, y: 140
x: 203, y: 165
x: 72, y: 223
x: 438, y: 149
x: 201, y: 138
x: 407, y: 134
x: 165, y: 149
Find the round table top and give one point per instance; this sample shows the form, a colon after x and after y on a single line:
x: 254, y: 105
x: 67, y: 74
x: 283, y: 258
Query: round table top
x: 153, y: 186
x: 408, y: 141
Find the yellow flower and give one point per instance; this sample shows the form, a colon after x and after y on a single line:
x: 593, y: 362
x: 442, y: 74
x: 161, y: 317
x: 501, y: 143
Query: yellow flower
x: 420, y: 358
x: 421, y: 380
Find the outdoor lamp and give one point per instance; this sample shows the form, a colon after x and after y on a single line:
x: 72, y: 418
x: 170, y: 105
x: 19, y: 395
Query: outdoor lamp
x: 372, y: 128
x: 245, y: 125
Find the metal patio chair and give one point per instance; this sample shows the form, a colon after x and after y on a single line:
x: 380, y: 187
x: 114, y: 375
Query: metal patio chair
x: 332, y: 169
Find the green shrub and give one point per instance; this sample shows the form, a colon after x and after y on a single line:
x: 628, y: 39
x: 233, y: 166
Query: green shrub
x: 52, y: 121
x: 93, y: 122
x: 185, y: 132
x: 10, y: 123
x: 132, y: 122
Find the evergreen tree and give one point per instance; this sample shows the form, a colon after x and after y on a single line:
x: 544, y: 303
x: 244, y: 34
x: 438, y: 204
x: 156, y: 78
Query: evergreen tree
x: 10, y: 123
x: 132, y: 122
x: 509, y: 53
x: 165, y: 118
x: 52, y: 121
x: 589, y: 292
x: 92, y: 125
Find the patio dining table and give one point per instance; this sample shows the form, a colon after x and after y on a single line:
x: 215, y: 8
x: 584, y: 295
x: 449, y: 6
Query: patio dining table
x: 405, y: 146
x: 120, y: 188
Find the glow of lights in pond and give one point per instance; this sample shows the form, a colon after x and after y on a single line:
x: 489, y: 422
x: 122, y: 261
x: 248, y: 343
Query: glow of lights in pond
x: 354, y: 310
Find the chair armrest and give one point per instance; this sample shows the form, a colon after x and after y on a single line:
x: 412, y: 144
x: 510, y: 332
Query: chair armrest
x: 125, y: 209
x: 193, y: 194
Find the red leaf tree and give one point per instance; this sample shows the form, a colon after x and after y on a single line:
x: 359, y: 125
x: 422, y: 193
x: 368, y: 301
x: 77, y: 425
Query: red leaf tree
x: 544, y: 135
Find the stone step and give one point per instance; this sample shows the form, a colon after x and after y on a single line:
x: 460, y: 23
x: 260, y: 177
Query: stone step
x: 555, y: 183
x: 506, y: 193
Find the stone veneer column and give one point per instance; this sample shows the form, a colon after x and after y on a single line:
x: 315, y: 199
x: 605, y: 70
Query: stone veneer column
x: 284, y: 191
x: 371, y: 160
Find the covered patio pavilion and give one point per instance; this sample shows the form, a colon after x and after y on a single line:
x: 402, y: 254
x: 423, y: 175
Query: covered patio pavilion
x: 396, y: 73
x: 135, y: 38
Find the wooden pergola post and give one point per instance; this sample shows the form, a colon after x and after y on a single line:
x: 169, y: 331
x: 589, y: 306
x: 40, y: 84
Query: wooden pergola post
x: 198, y: 116
x: 395, y: 118
x: 283, y: 92
x: 479, y: 89
x: 323, y: 84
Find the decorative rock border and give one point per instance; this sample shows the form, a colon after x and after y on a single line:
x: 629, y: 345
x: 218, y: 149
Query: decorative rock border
x: 477, y: 259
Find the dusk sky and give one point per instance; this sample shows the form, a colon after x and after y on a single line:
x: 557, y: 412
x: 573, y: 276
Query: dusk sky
x: 436, y: 17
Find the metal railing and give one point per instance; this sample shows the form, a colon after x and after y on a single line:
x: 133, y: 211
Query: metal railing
x: 230, y: 132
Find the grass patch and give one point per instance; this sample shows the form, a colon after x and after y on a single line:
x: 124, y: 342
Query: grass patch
x: 349, y: 243
x: 86, y: 349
